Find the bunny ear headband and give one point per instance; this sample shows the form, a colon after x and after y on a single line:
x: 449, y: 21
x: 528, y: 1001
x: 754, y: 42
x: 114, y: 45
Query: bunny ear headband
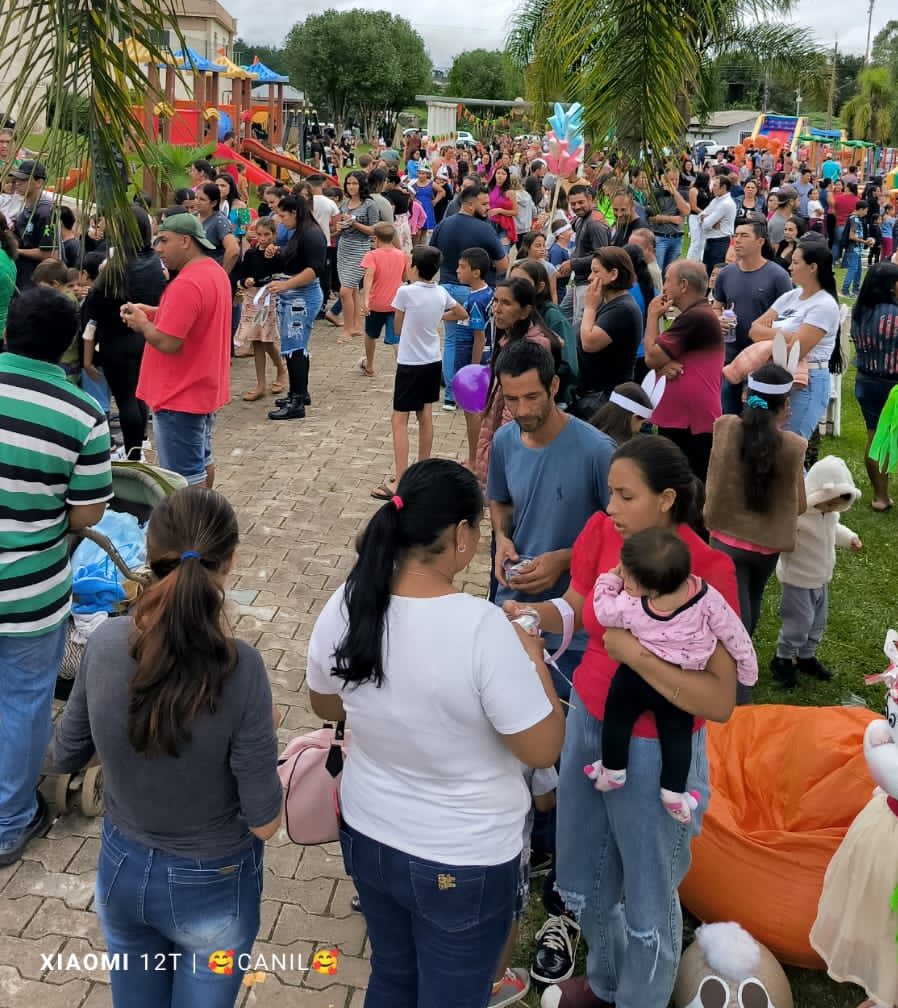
x: 890, y: 675
x: 653, y: 388
x: 787, y: 360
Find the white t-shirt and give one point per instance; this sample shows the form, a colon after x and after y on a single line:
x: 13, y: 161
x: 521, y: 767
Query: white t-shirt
x: 323, y: 209
x: 426, y: 771
x: 819, y: 310
x: 423, y: 305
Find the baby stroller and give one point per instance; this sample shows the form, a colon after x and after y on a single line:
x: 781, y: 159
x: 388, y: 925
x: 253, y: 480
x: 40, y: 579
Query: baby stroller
x: 137, y: 488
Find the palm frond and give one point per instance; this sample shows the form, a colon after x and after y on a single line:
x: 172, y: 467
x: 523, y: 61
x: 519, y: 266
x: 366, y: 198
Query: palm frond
x: 77, y: 47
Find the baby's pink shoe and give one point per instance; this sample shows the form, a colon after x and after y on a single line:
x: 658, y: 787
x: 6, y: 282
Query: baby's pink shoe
x: 679, y: 806
x: 603, y: 779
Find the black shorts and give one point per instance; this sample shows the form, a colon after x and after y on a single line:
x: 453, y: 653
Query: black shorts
x: 416, y: 386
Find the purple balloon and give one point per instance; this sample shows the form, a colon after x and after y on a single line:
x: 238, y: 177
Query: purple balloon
x: 470, y: 387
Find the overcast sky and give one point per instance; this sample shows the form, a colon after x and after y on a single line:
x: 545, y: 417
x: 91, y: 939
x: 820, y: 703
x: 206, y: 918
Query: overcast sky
x: 456, y: 25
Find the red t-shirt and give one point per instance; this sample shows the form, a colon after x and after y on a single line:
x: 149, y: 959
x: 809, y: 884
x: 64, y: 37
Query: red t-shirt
x: 196, y: 309
x: 597, y: 550
x: 842, y: 205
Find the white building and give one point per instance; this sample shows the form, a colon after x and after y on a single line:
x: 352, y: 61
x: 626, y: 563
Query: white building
x: 725, y: 128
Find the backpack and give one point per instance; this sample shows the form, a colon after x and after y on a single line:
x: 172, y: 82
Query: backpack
x: 310, y: 769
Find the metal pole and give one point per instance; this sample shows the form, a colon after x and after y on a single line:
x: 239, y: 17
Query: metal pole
x: 869, y: 26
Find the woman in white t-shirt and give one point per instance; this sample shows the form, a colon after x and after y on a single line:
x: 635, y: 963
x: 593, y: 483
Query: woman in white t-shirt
x: 443, y: 697
x: 810, y: 314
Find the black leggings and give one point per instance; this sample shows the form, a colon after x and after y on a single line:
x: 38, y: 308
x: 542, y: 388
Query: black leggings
x: 121, y: 374
x: 696, y: 448
x: 629, y: 696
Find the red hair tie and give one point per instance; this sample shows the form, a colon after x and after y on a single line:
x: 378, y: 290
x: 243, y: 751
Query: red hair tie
x: 397, y: 502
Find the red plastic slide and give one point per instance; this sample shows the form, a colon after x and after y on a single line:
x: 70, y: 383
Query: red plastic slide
x: 254, y: 174
x: 71, y: 179
x: 264, y: 153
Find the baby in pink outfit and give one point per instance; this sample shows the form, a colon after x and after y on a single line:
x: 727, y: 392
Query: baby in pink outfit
x: 680, y: 619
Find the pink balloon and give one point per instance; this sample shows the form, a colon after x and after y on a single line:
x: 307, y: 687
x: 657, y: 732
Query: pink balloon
x: 470, y: 387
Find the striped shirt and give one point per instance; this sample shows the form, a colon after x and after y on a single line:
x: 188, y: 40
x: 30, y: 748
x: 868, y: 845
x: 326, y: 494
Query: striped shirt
x: 54, y: 452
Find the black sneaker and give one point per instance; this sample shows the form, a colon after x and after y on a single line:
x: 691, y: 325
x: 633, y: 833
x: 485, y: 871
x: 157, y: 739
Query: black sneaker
x: 39, y: 825
x: 784, y: 672
x: 356, y: 904
x: 814, y: 668
x: 541, y: 863
x: 556, y: 947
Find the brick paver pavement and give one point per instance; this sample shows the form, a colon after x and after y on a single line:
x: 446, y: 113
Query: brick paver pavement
x: 301, y: 492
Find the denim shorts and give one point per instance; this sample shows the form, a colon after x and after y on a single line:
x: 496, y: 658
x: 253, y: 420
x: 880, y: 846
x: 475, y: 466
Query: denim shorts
x: 184, y: 443
x: 871, y: 393
x: 377, y: 322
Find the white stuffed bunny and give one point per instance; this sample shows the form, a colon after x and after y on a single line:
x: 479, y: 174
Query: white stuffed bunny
x: 786, y: 357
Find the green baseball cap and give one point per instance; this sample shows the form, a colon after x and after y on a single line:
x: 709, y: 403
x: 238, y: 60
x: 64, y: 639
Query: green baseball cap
x: 186, y: 224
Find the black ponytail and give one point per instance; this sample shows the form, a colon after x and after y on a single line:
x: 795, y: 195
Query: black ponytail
x: 433, y: 496
x: 761, y: 440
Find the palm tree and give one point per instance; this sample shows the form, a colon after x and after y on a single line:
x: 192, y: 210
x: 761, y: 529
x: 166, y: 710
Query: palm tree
x: 80, y: 48
x: 639, y: 67
x: 870, y: 112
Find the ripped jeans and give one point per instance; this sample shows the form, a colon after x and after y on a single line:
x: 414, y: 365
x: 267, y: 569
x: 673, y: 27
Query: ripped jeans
x: 620, y: 860
x: 297, y: 310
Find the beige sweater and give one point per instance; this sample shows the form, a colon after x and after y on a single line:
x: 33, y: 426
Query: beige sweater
x: 725, y: 509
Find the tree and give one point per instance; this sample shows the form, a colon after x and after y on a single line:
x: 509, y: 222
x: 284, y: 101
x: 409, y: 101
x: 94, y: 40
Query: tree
x: 885, y: 48
x: 847, y: 69
x: 369, y: 61
x: 103, y: 51
x: 869, y: 113
x: 641, y: 68
x: 273, y: 57
x: 481, y: 73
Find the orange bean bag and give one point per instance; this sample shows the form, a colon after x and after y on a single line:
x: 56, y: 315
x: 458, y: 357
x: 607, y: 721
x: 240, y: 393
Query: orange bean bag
x: 786, y: 783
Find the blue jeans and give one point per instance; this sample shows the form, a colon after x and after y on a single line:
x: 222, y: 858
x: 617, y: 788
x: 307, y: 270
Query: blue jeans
x: 165, y: 916
x: 184, y: 443
x: 667, y: 249
x: 429, y: 945
x: 838, y: 233
x: 451, y: 331
x: 807, y: 405
x: 297, y: 310
x: 620, y: 860
x: 28, y: 669
x: 852, y: 263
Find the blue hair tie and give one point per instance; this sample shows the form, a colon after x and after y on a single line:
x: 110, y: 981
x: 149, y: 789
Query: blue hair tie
x: 756, y: 402
x: 190, y: 555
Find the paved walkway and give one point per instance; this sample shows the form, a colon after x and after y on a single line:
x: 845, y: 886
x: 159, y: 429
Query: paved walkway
x: 301, y: 492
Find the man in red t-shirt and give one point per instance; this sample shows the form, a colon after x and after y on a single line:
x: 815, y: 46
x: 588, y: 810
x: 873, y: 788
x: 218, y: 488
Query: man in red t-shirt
x: 184, y: 375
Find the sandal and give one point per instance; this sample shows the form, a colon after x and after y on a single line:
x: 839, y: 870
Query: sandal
x: 383, y: 492
x: 252, y: 395
x: 363, y: 367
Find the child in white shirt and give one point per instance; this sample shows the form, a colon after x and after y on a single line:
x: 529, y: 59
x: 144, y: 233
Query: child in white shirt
x: 419, y: 306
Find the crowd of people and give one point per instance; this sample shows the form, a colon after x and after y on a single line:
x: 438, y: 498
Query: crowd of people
x: 642, y: 449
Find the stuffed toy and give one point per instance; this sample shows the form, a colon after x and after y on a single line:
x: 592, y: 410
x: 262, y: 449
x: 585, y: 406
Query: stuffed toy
x: 857, y: 917
x: 726, y: 968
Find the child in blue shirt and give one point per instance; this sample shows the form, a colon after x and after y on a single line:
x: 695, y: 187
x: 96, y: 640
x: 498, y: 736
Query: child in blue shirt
x: 470, y: 343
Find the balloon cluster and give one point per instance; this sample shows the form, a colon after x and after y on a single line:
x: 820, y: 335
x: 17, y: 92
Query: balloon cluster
x: 565, y: 139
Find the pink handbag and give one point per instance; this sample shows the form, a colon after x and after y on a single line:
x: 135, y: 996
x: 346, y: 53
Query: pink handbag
x: 310, y: 769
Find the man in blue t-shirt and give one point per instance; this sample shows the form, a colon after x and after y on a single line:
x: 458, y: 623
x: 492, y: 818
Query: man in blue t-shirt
x: 469, y: 228
x: 548, y: 474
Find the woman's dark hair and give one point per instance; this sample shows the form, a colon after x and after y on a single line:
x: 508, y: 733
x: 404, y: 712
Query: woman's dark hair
x: 657, y: 559
x: 817, y: 253
x: 113, y: 284
x: 800, y: 226
x: 503, y: 186
x: 7, y: 239
x: 362, y: 179
x: 436, y: 495
x: 664, y: 467
x: 703, y: 182
x: 761, y: 438
x: 304, y: 220
x: 231, y: 184
x: 877, y: 289
x: 184, y: 654
x: 67, y: 217
x: 537, y: 273
x: 182, y: 196
x: 211, y: 190
x: 527, y: 241
x: 613, y: 258
x: 614, y: 420
x: 641, y: 269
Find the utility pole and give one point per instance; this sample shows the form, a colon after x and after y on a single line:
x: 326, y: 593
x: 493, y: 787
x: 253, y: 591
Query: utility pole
x: 831, y: 103
x: 869, y: 26
x: 765, y: 99
x: 798, y: 101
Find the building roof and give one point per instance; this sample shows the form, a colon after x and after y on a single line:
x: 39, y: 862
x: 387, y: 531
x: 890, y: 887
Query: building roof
x: 264, y: 74
x: 209, y: 9
x: 260, y: 93
x: 722, y: 120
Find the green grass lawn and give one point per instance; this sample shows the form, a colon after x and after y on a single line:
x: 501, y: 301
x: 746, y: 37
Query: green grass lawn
x: 861, y: 610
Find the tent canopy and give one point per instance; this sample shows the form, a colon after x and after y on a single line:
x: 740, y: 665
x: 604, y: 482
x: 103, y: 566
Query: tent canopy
x: 264, y: 74
x: 189, y: 59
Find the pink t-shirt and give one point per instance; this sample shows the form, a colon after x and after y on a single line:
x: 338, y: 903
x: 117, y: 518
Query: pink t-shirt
x: 685, y: 637
x: 196, y: 309
x: 388, y: 264
x: 691, y: 401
